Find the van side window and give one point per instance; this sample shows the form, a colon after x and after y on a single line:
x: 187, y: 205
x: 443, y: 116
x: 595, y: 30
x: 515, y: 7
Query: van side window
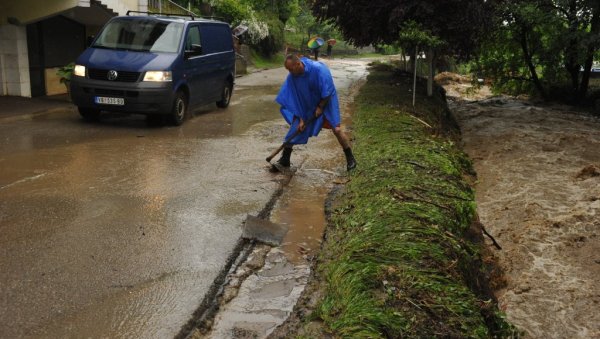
x: 217, y: 38
x: 193, y: 38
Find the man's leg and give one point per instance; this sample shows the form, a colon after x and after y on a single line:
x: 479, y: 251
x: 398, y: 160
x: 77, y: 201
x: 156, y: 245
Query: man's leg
x: 283, y: 164
x: 285, y: 156
x: 345, y: 143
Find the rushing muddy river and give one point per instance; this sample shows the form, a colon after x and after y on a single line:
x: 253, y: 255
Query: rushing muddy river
x: 538, y: 193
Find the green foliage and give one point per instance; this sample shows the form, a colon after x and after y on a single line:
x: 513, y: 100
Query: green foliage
x: 413, y: 34
x: 387, y: 49
x: 303, y: 26
x: 232, y: 11
x: 263, y: 62
x: 273, y: 43
x: 65, y: 72
x: 541, y: 46
x: 460, y: 23
x: 397, y: 262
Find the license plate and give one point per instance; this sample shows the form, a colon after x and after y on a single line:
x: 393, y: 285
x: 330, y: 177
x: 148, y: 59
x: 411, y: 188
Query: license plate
x: 110, y: 101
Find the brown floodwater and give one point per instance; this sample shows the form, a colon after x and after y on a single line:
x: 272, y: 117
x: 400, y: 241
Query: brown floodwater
x: 538, y: 193
x: 116, y: 229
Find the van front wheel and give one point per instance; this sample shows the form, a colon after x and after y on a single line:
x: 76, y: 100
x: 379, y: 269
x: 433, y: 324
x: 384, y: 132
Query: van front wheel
x: 179, y: 110
x: 225, y: 95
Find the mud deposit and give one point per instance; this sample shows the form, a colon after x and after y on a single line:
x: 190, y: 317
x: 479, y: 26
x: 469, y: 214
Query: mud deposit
x: 538, y: 193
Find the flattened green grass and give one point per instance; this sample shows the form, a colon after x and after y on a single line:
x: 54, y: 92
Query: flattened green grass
x: 398, y: 261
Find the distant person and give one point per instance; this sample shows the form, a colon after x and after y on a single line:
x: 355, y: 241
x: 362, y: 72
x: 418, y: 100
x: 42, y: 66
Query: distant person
x: 329, y: 48
x: 309, y: 91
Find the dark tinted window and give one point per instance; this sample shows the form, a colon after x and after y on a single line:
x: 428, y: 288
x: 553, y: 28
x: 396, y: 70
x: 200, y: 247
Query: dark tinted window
x: 216, y: 38
x: 141, y: 35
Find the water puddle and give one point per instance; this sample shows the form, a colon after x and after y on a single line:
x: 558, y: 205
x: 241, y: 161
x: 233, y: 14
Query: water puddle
x: 303, y: 211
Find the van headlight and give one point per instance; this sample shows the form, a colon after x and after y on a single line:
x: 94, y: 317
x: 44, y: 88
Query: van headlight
x: 158, y: 76
x: 79, y: 71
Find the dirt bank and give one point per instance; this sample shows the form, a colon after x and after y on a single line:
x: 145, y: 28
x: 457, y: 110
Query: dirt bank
x: 538, y: 193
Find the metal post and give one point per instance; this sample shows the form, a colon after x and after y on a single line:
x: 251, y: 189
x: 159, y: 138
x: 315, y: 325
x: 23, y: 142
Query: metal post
x: 159, y: 6
x: 431, y: 72
x: 415, y: 76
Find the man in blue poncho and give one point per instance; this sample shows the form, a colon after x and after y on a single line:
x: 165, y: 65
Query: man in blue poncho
x: 309, y: 91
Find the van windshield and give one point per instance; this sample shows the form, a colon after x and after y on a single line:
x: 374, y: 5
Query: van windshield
x: 141, y: 35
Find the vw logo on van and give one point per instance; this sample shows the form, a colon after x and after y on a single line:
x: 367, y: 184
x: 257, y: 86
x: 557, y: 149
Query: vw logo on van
x: 112, y: 75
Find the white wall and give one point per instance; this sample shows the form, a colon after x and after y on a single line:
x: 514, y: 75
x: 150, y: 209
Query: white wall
x: 14, y: 62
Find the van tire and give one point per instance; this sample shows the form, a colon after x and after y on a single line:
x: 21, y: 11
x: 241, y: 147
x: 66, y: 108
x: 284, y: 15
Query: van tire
x: 89, y: 114
x: 179, y: 110
x: 225, y: 95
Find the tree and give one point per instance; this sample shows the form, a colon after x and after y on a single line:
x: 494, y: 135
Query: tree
x: 554, y: 39
x: 459, y: 23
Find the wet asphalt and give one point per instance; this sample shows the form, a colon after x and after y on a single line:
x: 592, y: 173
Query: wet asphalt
x: 117, y: 229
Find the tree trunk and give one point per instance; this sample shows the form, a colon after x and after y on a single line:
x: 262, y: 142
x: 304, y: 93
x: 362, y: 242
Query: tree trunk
x: 528, y: 59
x: 571, y: 52
x: 591, y: 51
x: 415, y: 75
x: 431, y: 72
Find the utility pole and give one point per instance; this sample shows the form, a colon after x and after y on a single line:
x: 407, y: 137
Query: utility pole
x: 431, y: 72
x: 415, y: 76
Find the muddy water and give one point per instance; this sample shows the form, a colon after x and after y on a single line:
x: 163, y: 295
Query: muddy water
x: 538, y: 193
x: 268, y: 296
x: 116, y: 229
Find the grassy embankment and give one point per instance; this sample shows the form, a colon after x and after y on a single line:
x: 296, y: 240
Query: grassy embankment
x: 403, y: 254
x: 262, y: 62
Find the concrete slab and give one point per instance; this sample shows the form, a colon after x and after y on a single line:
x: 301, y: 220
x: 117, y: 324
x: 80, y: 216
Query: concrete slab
x: 263, y: 230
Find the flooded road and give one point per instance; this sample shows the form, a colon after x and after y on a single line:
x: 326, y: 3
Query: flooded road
x: 116, y: 229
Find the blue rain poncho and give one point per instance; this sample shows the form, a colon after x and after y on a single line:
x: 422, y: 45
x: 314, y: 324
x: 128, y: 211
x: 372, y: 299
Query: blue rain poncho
x: 300, y: 95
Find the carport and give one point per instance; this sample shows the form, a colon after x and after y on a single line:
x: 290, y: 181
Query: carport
x: 38, y: 37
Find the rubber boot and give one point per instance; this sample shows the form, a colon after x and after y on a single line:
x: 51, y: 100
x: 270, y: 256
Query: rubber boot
x: 350, y: 161
x: 284, y: 161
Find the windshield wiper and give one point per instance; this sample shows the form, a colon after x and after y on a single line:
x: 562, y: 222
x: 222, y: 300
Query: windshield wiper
x: 115, y: 48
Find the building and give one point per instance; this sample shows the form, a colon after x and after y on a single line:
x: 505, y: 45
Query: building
x: 38, y: 36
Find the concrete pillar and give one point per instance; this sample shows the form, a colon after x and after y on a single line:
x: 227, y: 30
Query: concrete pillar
x: 14, y: 61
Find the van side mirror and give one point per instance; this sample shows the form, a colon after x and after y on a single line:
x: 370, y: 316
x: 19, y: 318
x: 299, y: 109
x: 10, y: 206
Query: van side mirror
x: 196, y: 50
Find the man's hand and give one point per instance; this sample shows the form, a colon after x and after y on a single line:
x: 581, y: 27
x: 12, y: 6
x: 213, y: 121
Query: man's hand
x: 301, y: 126
x: 318, y: 111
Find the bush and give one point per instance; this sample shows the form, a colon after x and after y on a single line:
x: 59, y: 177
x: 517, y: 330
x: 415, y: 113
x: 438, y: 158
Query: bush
x: 273, y: 42
x: 65, y: 72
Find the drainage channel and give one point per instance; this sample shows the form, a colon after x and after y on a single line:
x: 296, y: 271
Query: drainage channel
x: 203, y: 317
x: 263, y: 290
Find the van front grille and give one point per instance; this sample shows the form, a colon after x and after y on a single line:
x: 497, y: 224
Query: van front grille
x: 111, y: 92
x: 122, y: 76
